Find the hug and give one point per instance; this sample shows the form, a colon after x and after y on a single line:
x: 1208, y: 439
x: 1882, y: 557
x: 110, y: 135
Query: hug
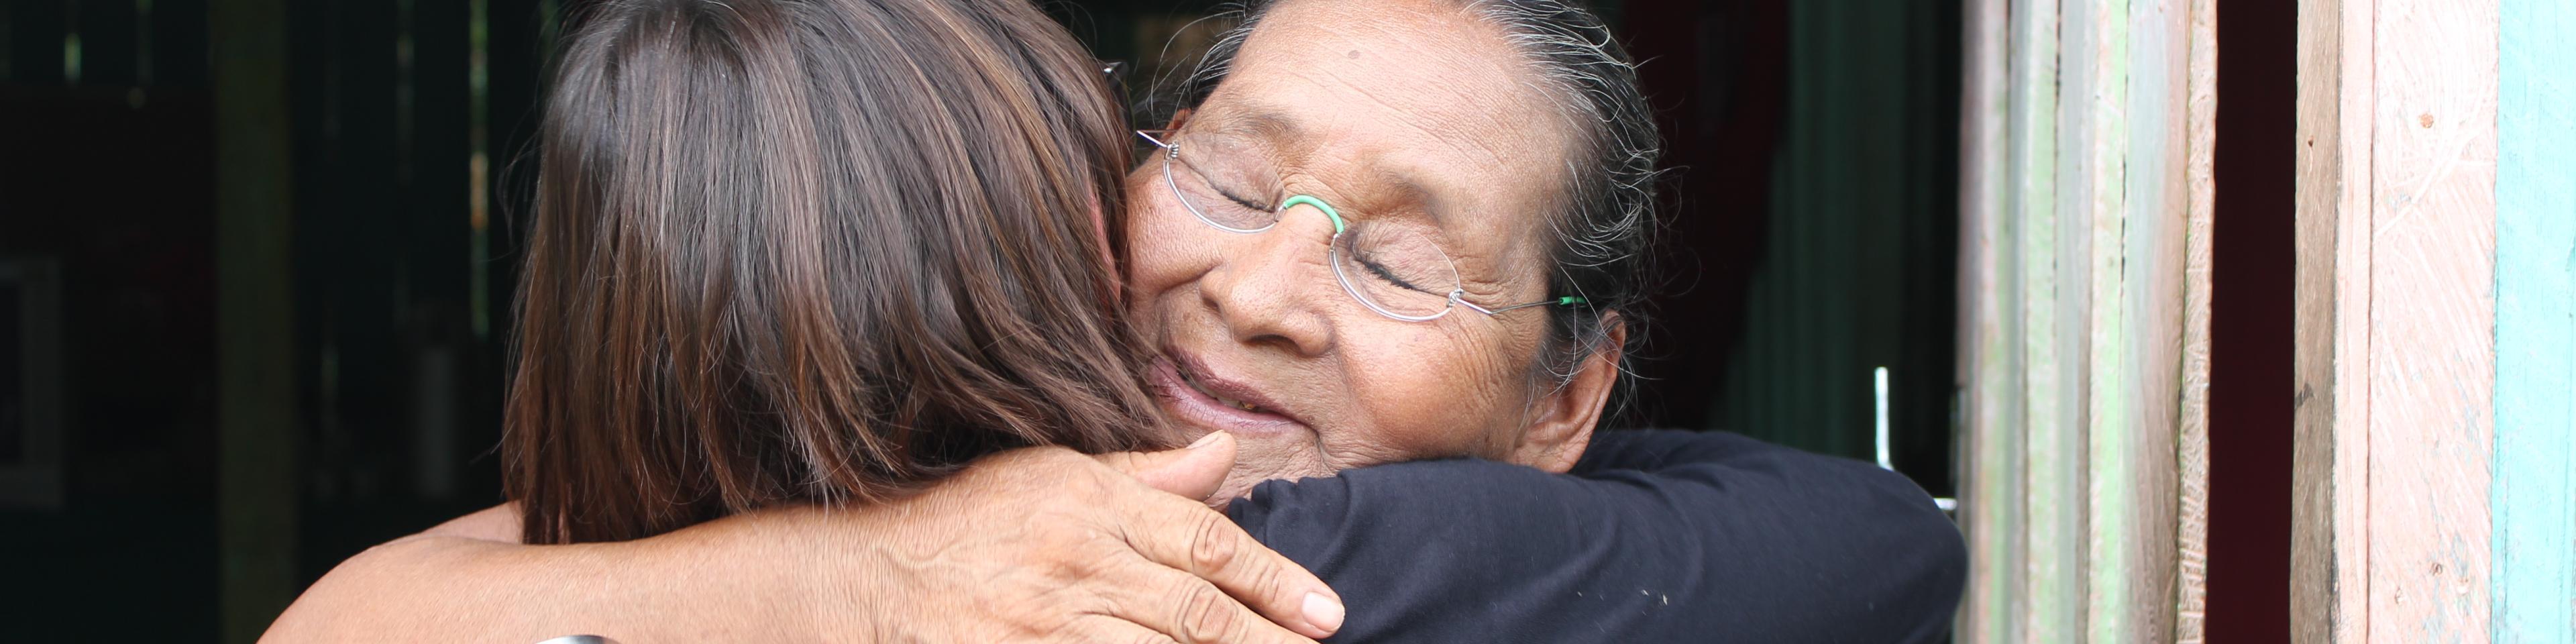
x: 877, y: 320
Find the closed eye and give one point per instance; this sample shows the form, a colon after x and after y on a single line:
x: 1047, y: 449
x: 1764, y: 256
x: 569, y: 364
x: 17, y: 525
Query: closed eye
x: 1229, y: 195
x: 1239, y: 201
x: 1383, y: 273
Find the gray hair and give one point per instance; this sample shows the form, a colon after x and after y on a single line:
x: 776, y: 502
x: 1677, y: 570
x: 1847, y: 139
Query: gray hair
x: 1607, y: 220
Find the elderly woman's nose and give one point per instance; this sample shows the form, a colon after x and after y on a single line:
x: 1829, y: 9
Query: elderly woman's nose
x: 1270, y: 287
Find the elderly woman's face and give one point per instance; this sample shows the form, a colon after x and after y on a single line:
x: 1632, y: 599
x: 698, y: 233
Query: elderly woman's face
x: 1401, y: 115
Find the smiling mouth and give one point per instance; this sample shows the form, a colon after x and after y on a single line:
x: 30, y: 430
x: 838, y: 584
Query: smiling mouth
x: 1191, y: 379
x: 1194, y: 393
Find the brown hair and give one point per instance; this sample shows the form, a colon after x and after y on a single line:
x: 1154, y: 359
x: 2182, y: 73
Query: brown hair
x: 807, y: 251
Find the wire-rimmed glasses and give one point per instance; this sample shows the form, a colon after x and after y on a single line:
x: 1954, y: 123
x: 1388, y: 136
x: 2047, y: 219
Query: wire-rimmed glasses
x: 1391, y: 268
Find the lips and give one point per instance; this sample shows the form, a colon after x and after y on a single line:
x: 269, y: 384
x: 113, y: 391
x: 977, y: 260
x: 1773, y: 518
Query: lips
x: 1190, y: 378
x: 1195, y: 394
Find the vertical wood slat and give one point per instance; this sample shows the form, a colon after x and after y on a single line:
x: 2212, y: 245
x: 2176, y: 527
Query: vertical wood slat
x: 2329, y: 587
x: 2534, y: 490
x: 2350, y: 321
x: 2191, y: 443
x: 2100, y: 94
x: 2317, y: 540
x: 2432, y: 370
x: 2095, y: 385
x: 2045, y: 596
x: 2142, y: 249
x: 2142, y: 214
x: 2396, y: 345
x: 1988, y: 364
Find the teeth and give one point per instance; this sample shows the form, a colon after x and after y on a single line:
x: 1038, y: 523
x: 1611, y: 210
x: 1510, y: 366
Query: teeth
x: 1193, y: 380
x: 1237, y: 404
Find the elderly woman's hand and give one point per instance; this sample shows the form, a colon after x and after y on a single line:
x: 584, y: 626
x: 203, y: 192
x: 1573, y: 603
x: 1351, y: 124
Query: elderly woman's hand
x: 1034, y: 545
x: 1045, y: 544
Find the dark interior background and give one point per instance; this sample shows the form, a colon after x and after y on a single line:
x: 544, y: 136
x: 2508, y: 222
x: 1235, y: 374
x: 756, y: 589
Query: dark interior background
x: 1811, y: 237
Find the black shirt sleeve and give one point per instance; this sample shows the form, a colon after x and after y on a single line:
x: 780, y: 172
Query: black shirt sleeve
x: 1654, y: 537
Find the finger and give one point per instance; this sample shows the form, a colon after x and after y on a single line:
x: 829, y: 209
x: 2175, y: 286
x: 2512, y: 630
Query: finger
x: 1196, y: 540
x: 1187, y: 609
x: 1192, y: 472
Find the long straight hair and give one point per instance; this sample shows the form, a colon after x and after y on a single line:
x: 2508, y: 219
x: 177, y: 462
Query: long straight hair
x: 812, y: 251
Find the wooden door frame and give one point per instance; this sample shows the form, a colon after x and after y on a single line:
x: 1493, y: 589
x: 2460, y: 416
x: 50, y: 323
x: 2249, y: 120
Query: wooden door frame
x: 2434, y: 497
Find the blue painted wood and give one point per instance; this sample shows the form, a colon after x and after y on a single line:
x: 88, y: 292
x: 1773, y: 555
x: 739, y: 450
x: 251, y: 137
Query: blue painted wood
x: 2534, y: 490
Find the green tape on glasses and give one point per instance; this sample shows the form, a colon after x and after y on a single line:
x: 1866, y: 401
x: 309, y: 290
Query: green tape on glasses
x: 1319, y: 204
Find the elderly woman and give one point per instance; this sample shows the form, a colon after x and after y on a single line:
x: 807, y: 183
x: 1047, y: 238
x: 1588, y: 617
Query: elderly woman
x: 1386, y: 251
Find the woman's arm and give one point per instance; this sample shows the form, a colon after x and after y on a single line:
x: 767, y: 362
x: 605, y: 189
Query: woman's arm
x: 1033, y: 545
x: 444, y: 587
x: 1656, y: 536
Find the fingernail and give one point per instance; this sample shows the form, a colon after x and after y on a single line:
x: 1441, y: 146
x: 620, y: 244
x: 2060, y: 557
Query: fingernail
x: 1204, y: 440
x: 1323, y: 612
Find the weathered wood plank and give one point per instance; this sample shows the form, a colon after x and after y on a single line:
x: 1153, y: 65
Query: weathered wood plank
x: 2329, y: 591
x: 2134, y: 58
x: 2050, y: 593
x: 2141, y: 219
x: 2108, y: 108
x: 2534, y: 492
x: 1989, y: 328
x: 2432, y: 346
x: 2098, y: 43
x: 2191, y: 443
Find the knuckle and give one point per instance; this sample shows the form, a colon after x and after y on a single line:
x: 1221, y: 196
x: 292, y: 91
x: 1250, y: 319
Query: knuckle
x: 1203, y: 615
x: 1265, y: 581
x: 1213, y: 544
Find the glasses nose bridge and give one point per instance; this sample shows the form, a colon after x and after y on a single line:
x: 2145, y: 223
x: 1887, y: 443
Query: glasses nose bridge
x: 1292, y: 249
x: 1303, y: 212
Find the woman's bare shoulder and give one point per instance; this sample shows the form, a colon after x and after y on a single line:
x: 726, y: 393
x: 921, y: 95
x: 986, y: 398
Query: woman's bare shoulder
x: 496, y: 523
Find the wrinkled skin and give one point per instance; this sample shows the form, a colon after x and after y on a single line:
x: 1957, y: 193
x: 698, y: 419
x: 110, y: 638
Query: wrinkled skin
x: 1413, y: 113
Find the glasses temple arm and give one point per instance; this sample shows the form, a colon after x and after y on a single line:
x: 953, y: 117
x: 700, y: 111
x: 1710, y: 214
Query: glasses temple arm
x: 1568, y: 301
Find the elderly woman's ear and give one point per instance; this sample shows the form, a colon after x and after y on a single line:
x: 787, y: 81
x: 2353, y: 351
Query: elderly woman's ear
x: 1562, y: 420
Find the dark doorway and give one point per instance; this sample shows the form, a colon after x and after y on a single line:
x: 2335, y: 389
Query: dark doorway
x: 2250, y: 383
x: 1812, y: 230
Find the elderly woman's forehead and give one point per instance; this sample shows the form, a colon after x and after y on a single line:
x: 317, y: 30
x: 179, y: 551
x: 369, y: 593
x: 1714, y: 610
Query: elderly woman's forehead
x: 1436, y: 63
x: 1426, y: 89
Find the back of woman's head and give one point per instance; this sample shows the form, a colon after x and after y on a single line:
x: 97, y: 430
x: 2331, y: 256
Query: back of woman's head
x: 804, y: 251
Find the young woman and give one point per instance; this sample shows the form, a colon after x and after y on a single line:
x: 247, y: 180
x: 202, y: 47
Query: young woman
x: 796, y: 254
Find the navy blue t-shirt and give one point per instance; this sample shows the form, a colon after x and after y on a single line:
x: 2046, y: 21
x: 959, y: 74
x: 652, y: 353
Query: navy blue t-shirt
x: 1655, y: 536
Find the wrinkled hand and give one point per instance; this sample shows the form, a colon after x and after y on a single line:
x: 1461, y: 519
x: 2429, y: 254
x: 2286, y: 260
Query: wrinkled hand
x: 1046, y: 544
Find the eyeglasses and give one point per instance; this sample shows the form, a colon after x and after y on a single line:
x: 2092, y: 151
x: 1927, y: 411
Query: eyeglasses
x: 1391, y: 268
